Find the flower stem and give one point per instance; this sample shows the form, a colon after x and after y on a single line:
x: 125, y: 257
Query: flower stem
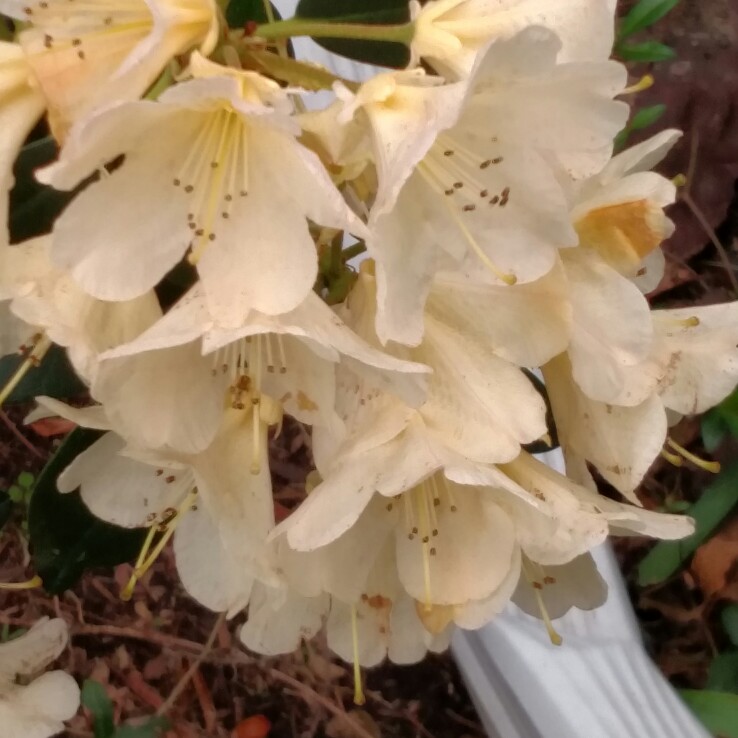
x: 400, y: 33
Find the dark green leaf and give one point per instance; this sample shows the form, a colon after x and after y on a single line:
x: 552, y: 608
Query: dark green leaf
x: 643, y: 15
x: 646, y: 117
x: 648, y: 51
x: 153, y: 728
x: 727, y: 411
x: 714, y: 429
x: 240, y: 12
x: 717, y: 710
x: 723, y: 674
x: 729, y: 617
x: 667, y: 557
x: 96, y: 700
x: 65, y: 537
x: 34, y: 207
x: 55, y: 377
x: 6, y: 508
x: 373, y: 12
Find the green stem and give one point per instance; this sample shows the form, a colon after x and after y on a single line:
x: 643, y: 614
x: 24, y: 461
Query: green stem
x: 351, y: 251
x: 402, y: 33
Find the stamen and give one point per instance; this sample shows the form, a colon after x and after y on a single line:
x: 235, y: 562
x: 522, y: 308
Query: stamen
x: 424, y: 518
x: 32, y: 583
x: 359, y: 697
x: 673, y: 459
x: 555, y: 638
x: 146, y: 560
x: 32, y: 360
x: 679, y: 181
x: 270, y: 353
x: 711, y: 466
x: 282, y: 354
x: 127, y: 591
x: 409, y: 517
x: 643, y: 84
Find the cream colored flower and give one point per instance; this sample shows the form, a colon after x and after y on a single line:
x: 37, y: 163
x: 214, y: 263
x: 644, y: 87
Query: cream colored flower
x: 38, y: 709
x: 86, y: 55
x: 451, y: 33
x: 464, y: 169
x: 213, y: 167
x: 217, y: 506
x: 47, y: 301
x: 21, y: 105
x: 170, y: 384
x: 479, y: 401
x: 619, y: 212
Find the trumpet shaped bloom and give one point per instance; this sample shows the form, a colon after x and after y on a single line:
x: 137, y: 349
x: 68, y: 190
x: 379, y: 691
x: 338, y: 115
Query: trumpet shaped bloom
x: 464, y: 169
x: 216, y: 505
x: 38, y: 709
x: 213, y: 168
x: 88, y: 55
x: 170, y: 384
x: 45, y: 300
x: 619, y: 212
x: 479, y: 401
x: 691, y: 366
x: 451, y: 33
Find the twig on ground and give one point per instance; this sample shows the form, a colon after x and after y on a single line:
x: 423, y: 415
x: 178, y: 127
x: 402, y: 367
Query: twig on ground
x: 184, y: 681
x: 310, y: 695
x: 13, y: 428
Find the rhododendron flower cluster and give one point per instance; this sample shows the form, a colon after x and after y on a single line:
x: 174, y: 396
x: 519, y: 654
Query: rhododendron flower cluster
x: 501, y: 239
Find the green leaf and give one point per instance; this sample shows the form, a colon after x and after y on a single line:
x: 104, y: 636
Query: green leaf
x: 55, y: 377
x: 96, y: 700
x: 723, y: 674
x: 26, y: 479
x: 33, y: 206
x: 714, y: 429
x: 240, y: 12
x: 66, y: 539
x: 373, y: 12
x: 643, y: 15
x: 648, y: 51
x: 667, y: 557
x: 646, y: 117
x: 729, y: 618
x: 150, y: 729
x: 717, y: 710
x: 727, y: 411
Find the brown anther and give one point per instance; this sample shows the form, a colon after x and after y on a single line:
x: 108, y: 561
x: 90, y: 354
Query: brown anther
x: 448, y: 152
x: 484, y: 193
x: 537, y: 585
x: 458, y: 185
x: 432, y: 552
x: 469, y: 208
x: 171, y: 478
